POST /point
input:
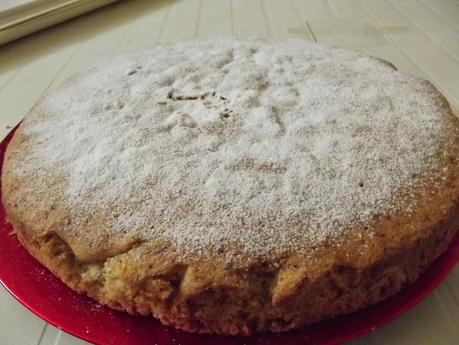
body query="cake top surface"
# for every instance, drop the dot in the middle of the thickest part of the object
(259, 145)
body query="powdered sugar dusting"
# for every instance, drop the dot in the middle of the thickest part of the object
(261, 145)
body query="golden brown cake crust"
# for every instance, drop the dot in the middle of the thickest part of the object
(209, 293)
(206, 297)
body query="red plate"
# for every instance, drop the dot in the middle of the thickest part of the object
(45, 295)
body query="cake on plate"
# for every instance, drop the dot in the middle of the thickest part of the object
(235, 186)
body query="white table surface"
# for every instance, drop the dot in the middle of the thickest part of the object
(420, 37)
(7, 4)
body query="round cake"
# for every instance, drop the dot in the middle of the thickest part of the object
(235, 186)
